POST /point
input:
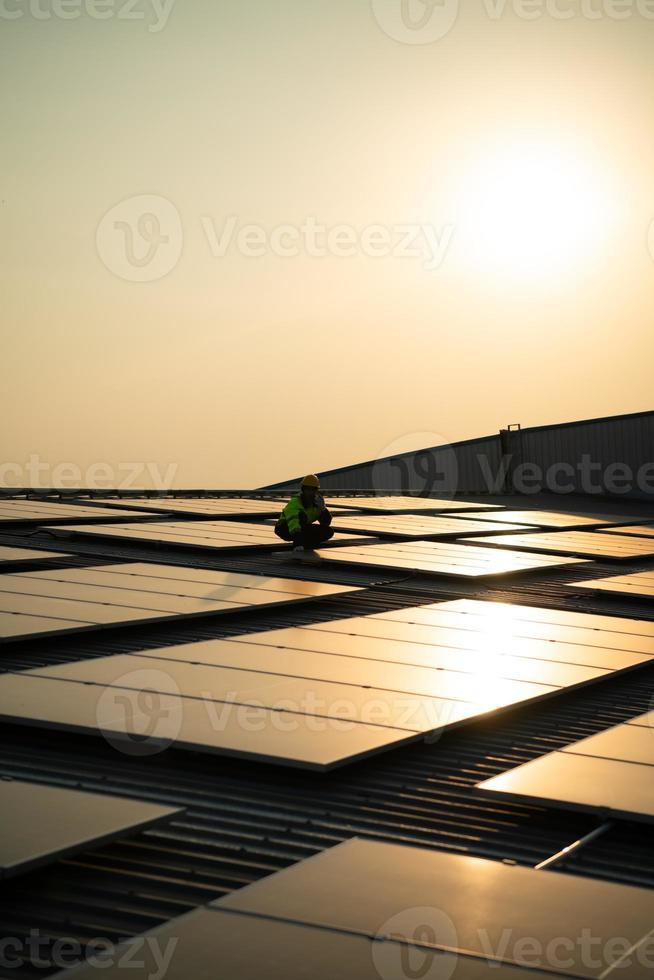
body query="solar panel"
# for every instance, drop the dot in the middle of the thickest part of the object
(588, 544)
(215, 535)
(640, 530)
(503, 613)
(486, 662)
(37, 511)
(147, 721)
(298, 695)
(600, 653)
(10, 556)
(626, 743)
(415, 525)
(34, 603)
(639, 585)
(209, 936)
(487, 654)
(41, 824)
(416, 505)
(479, 908)
(293, 951)
(607, 787)
(399, 665)
(443, 558)
(200, 506)
(553, 519)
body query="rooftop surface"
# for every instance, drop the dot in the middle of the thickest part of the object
(244, 819)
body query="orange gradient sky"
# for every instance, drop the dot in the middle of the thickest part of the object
(245, 240)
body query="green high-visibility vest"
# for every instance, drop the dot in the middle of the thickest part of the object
(292, 511)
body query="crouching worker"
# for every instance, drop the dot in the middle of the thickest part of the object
(298, 519)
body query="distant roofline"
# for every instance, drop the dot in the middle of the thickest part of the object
(461, 442)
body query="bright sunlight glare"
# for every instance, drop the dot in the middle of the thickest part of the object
(534, 211)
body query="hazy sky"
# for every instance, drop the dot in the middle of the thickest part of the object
(448, 211)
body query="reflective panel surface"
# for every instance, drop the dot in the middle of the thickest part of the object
(195, 534)
(416, 505)
(293, 951)
(62, 599)
(36, 511)
(640, 530)
(43, 823)
(610, 771)
(637, 584)
(615, 788)
(415, 525)
(152, 721)
(202, 506)
(590, 544)
(554, 518)
(10, 555)
(365, 704)
(629, 743)
(444, 558)
(364, 886)
(393, 666)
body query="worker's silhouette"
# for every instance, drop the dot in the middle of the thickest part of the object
(305, 520)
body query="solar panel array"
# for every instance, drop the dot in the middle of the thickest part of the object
(486, 915)
(638, 585)
(58, 601)
(553, 519)
(415, 525)
(588, 544)
(10, 556)
(200, 506)
(214, 535)
(42, 824)
(368, 910)
(505, 625)
(415, 505)
(611, 773)
(640, 530)
(153, 720)
(473, 635)
(443, 558)
(323, 695)
(37, 511)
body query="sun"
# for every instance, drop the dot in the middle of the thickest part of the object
(533, 210)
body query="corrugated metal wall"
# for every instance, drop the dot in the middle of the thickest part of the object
(438, 470)
(612, 456)
(607, 454)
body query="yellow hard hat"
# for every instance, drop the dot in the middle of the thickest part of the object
(311, 481)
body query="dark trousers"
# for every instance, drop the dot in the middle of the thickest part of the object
(310, 536)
